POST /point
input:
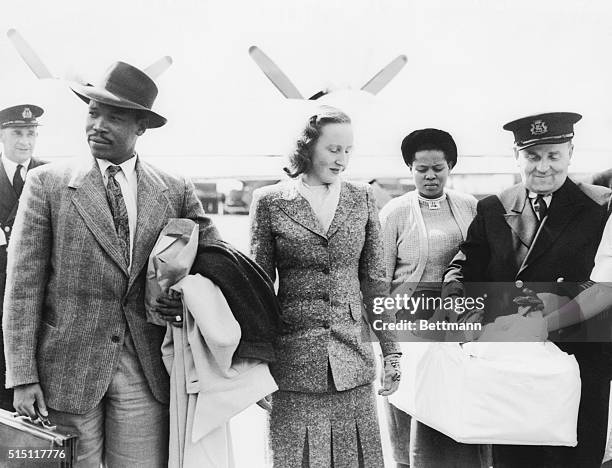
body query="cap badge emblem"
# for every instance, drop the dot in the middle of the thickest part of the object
(538, 127)
(27, 113)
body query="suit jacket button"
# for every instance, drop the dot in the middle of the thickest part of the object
(326, 326)
(325, 271)
(115, 339)
(7, 229)
(325, 297)
(124, 303)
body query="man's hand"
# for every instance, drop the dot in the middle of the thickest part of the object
(26, 396)
(170, 307)
(440, 315)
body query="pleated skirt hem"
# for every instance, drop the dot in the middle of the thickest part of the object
(321, 430)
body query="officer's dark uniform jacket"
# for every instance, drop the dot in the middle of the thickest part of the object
(8, 208)
(502, 246)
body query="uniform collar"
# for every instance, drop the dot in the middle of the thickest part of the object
(11, 166)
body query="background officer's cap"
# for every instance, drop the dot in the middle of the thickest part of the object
(23, 115)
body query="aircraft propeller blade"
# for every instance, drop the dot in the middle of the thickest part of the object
(382, 78)
(318, 95)
(28, 55)
(41, 71)
(158, 67)
(274, 74)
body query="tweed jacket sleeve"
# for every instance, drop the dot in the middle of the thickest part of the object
(372, 274)
(260, 233)
(30, 255)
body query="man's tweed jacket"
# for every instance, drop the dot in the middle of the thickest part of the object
(69, 295)
(321, 278)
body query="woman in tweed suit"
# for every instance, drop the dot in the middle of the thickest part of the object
(322, 236)
(422, 231)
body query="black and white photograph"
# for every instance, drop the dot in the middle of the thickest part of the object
(315, 234)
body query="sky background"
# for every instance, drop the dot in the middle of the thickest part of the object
(472, 66)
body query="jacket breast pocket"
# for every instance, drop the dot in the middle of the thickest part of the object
(356, 310)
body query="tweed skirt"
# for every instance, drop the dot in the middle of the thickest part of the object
(321, 430)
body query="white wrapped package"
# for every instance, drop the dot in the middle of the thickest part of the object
(492, 393)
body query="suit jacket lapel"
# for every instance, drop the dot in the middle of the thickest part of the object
(89, 198)
(346, 205)
(519, 214)
(566, 203)
(35, 163)
(8, 197)
(298, 209)
(152, 205)
(522, 221)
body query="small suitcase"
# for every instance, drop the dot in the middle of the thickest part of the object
(26, 443)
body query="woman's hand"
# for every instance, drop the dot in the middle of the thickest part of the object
(392, 374)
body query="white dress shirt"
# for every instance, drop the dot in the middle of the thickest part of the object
(532, 199)
(11, 166)
(128, 182)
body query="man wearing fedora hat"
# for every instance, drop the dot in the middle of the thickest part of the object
(77, 340)
(18, 133)
(544, 232)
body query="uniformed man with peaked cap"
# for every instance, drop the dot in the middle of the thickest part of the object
(543, 230)
(18, 133)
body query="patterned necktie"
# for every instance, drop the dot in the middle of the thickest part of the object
(541, 207)
(18, 181)
(118, 210)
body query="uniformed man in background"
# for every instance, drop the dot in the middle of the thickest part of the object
(18, 133)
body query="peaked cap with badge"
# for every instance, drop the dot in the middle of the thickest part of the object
(552, 127)
(22, 115)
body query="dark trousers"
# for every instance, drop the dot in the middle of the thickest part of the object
(6, 395)
(592, 422)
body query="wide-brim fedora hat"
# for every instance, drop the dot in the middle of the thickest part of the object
(124, 86)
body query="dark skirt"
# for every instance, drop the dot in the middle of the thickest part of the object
(321, 430)
(420, 446)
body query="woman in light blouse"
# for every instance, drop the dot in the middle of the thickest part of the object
(422, 231)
